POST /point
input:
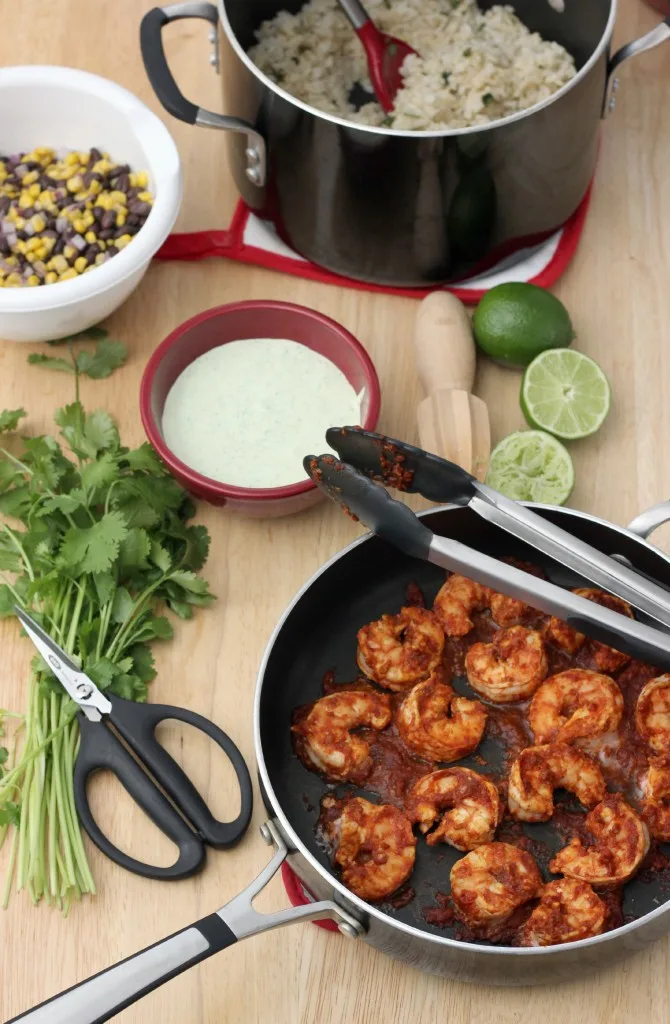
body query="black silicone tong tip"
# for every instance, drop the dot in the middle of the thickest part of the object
(401, 465)
(364, 500)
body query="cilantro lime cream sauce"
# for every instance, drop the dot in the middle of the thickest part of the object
(246, 413)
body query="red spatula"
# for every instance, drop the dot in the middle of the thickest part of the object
(385, 53)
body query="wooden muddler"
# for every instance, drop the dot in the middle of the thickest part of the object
(453, 423)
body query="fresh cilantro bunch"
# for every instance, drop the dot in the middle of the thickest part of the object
(102, 545)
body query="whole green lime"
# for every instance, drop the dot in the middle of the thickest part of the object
(514, 322)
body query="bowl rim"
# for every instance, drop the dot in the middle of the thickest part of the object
(165, 169)
(198, 481)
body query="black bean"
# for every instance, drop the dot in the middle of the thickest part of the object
(4, 246)
(50, 233)
(96, 176)
(119, 170)
(133, 192)
(46, 181)
(23, 235)
(106, 234)
(90, 253)
(5, 203)
(123, 184)
(98, 212)
(94, 155)
(112, 250)
(58, 247)
(131, 229)
(28, 212)
(109, 219)
(132, 219)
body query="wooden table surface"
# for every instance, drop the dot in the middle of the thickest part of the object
(617, 292)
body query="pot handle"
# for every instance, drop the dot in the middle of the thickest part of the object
(650, 519)
(648, 42)
(106, 994)
(171, 96)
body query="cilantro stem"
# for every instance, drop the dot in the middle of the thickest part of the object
(19, 547)
(10, 870)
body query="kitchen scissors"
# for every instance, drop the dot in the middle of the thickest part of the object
(119, 735)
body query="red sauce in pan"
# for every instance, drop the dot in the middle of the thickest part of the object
(395, 769)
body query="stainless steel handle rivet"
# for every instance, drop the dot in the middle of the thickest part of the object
(253, 156)
(266, 834)
(253, 175)
(212, 35)
(348, 930)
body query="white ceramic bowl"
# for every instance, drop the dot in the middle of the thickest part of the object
(67, 108)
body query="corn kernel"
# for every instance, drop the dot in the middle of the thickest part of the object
(58, 263)
(32, 244)
(84, 158)
(120, 219)
(68, 274)
(95, 187)
(39, 222)
(51, 277)
(29, 178)
(122, 242)
(80, 264)
(33, 280)
(79, 224)
(34, 190)
(69, 251)
(12, 260)
(25, 200)
(21, 246)
(75, 183)
(71, 158)
(13, 279)
(90, 237)
(100, 258)
(146, 197)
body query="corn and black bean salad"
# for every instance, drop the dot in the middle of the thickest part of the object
(63, 214)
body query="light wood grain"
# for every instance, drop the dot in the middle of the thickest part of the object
(617, 292)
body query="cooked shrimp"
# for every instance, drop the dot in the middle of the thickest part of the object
(398, 651)
(509, 668)
(621, 843)
(506, 611)
(455, 603)
(652, 716)
(488, 884)
(568, 910)
(324, 735)
(437, 724)
(471, 803)
(656, 805)
(374, 846)
(575, 707)
(460, 597)
(538, 771)
(570, 641)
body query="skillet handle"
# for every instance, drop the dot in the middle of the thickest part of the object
(658, 35)
(650, 519)
(105, 994)
(171, 96)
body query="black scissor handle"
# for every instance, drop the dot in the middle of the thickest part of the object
(137, 724)
(100, 749)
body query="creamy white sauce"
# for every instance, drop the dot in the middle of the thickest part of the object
(246, 413)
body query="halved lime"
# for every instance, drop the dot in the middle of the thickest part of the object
(531, 465)
(565, 393)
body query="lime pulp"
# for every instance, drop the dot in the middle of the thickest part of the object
(531, 465)
(565, 393)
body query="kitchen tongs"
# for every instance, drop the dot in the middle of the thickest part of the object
(411, 469)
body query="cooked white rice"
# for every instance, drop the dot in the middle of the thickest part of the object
(475, 67)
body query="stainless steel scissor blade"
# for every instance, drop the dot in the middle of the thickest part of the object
(78, 685)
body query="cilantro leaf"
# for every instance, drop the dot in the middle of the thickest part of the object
(4, 753)
(122, 606)
(7, 602)
(10, 813)
(134, 551)
(96, 548)
(160, 557)
(71, 420)
(143, 662)
(190, 582)
(100, 432)
(106, 357)
(50, 362)
(102, 672)
(105, 585)
(9, 419)
(66, 503)
(99, 473)
(144, 459)
(130, 687)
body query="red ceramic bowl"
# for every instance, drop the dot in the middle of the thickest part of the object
(239, 320)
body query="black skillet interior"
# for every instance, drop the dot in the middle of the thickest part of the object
(319, 636)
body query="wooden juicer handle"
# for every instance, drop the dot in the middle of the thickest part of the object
(452, 422)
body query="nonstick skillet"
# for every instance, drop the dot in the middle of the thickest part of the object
(316, 635)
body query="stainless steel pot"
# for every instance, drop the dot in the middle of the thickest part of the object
(290, 674)
(404, 208)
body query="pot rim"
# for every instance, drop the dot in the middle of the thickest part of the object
(349, 897)
(429, 133)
